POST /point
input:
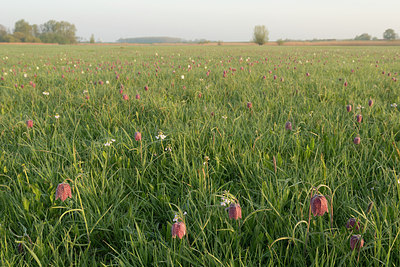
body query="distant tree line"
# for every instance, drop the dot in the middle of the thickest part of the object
(389, 34)
(52, 31)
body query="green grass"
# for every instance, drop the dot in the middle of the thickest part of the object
(125, 196)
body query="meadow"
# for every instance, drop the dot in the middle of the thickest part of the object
(263, 127)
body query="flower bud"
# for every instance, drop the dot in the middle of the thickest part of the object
(288, 126)
(352, 224)
(138, 136)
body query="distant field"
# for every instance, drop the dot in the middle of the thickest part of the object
(268, 128)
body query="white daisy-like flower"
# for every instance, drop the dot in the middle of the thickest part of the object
(57, 116)
(46, 93)
(107, 144)
(37, 68)
(182, 77)
(25, 75)
(394, 105)
(107, 82)
(5, 73)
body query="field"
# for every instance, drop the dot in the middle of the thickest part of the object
(264, 127)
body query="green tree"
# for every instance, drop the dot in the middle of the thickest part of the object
(3, 33)
(61, 32)
(92, 41)
(363, 37)
(260, 34)
(389, 34)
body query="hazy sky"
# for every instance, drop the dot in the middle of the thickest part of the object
(226, 20)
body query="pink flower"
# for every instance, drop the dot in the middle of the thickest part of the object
(319, 205)
(138, 136)
(63, 191)
(146, 88)
(370, 102)
(249, 105)
(29, 123)
(125, 97)
(348, 107)
(235, 211)
(137, 96)
(178, 229)
(356, 241)
(359, 118)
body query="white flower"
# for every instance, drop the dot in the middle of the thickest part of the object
(107, 82)
(112, 140)
(183, 77)
(25, 75)
(176, 218)
(160, 136)
(5, 73)
(224, 117)
(223, 204)
(85, 91)
(394, 105)
(57, 116)
(184, 213)
(107, 144)
(46, 93)
(37, 68)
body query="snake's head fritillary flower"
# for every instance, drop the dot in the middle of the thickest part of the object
(359, 118)
(319, 205)
(352, 223)
(178, 229)
(356, 241)
(125, 97)
(348, 108)
(249, 105)
(138, 136)
(63, 191)
(146, 88)
(357, 140)
(235, 211)
(29, 123)
(370, 102)
(288, 126)
(137, 96)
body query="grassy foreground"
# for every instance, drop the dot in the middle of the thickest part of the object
(126, 192)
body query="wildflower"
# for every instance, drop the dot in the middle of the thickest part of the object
(138, 136)
(370, 102)
(57, 116)
(357, 140)
(46, 93)
(125, 97)
(352, 223)
(224, 117)
(182, 77)
(178, 229)
(394, 105)
(168, 148)
(356, 241)
(137, 96)
(107, 144)
(63, 191)
(85, 91)
(29, 123)
(107, 82)
(160, 136)
(225, 201)
(348, 108)
(249, 105)
(288, 126)
(25, 75)
(359, 118)
(235, 211)
(319, 205)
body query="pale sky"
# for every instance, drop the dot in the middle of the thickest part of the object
(226, 20)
